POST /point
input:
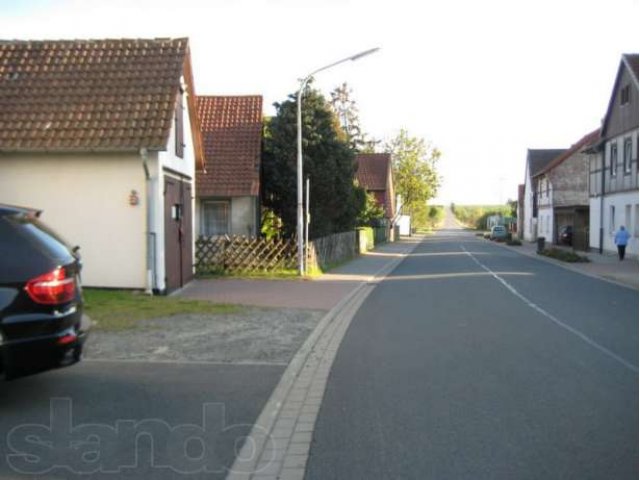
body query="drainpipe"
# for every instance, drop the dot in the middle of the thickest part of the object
(149, 220)
(600, 250)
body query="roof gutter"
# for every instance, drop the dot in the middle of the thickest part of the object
(80, 150)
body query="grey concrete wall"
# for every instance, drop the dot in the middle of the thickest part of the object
(332, 249)
(570, 181)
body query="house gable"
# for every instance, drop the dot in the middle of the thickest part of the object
(374, 174)
(568, 173)
(619, 139)
(537, 159)
(622, 112)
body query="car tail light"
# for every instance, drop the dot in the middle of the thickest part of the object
(67, 338)
(52, 288)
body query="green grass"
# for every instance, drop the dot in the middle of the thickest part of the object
(117, 310)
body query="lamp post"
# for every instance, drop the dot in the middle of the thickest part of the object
(303, 84)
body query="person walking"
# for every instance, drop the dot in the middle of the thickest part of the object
(621, 239)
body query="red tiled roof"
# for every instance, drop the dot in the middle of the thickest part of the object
(86, 95)
(232, 138)
(584, 142)
(374, 171)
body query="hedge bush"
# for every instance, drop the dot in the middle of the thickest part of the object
(564, 255)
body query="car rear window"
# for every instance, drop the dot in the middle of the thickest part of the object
(27, 246)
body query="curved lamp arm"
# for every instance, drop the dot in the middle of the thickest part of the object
(303, 84)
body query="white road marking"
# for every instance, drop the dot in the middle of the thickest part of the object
(546, 314)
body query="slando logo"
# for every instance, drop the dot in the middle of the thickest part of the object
(93, 447)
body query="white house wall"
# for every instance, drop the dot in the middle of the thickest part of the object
(594, 223)
(545, 209)
(86, 199)
(545, 223)
(529, 225)
(620, 202)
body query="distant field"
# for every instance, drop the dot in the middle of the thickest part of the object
(475, 216)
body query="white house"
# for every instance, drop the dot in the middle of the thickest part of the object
(102, 136)
(563, 193)
(613, 174)
(537, 159)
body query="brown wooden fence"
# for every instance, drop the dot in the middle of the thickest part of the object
(239, 254)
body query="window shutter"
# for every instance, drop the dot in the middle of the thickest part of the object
(179, 125)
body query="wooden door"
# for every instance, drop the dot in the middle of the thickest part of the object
(178, 249)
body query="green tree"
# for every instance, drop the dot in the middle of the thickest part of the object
(371, 212)
(328, 161)
(415, 174)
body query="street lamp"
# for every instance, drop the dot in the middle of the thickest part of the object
(303, 84)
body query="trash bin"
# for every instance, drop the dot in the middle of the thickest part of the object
(541, 241)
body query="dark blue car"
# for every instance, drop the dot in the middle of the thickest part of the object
(42, 325)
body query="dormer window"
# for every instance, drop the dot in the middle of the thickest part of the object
(625, 94)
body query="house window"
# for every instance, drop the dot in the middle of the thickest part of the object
(613, 159)
(215, 218)
(625, 94)
(636, 227)
(627, 217)
(179, 124)
(627, 155)
(612, 218)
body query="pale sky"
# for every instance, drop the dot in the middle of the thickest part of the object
(481, 80)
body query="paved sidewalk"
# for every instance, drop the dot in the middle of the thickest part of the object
(605, 266)
(322, 293)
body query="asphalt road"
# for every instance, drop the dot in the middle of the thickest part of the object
(471, 361)
(130, 420)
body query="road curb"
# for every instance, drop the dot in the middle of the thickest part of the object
(279, 443)
(568, 267)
